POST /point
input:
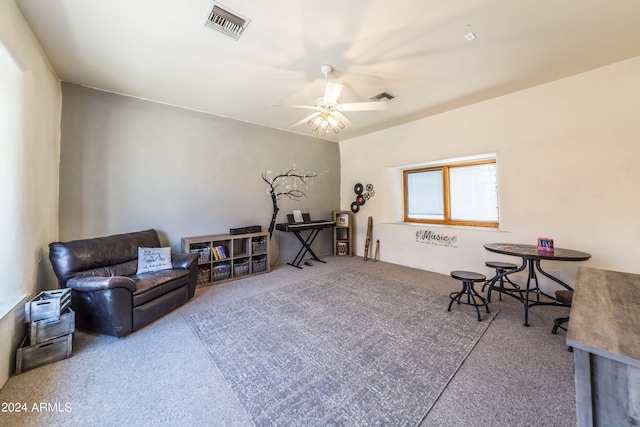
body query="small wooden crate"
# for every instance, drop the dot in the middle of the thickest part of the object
(53, 327)
(32, 356)
(47, 304)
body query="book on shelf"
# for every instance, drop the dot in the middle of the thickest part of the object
(218, 253)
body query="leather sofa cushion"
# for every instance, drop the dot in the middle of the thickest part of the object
(123, 269)
(152, 285)
(69, 258)
(157, 307)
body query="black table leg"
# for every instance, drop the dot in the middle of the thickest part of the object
(505, 275)
(532, 275)
(534, 265)
(555, 279)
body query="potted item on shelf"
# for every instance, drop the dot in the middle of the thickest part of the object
(342, 248)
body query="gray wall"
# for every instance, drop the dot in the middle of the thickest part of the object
(127, 164)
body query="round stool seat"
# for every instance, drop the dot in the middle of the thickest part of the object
(472, 297)
(565, 297)
(468, 276)
(500, 264)
(501, 268)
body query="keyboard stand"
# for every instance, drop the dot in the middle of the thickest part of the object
(314, 227)
(306, 247)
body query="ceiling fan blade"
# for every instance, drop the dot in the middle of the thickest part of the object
(309, 107)
(305, 120)
(363, 106)
(332, 92)
(342, 118)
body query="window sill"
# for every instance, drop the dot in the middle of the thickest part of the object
(455, 227)
(7, 305)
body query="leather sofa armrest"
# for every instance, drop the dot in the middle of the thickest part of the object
(98, 283)
(184, 260)
(188, 261)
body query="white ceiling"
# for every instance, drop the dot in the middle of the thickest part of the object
(414, 49)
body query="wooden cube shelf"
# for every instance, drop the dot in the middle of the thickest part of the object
(225, 257)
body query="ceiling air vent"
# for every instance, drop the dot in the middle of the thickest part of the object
(228, 22)
(383, 95)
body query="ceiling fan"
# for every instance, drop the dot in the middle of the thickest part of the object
(328, 116)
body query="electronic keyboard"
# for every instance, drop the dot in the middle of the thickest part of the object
(301, 226)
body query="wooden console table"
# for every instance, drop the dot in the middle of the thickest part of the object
(604, 331)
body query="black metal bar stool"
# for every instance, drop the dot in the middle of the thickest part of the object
(501, 267)
(564, 298)
(468, 279)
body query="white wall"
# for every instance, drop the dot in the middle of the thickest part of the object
(566, 152)
(29, 155)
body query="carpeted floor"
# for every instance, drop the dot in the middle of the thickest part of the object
(344, 348)
(163, 376)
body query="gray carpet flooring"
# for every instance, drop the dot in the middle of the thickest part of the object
(162, 375)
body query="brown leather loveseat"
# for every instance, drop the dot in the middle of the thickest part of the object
(108, 295)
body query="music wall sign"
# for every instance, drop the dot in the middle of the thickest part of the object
(430, 237)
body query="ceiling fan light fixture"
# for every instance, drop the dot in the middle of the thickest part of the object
(328, 116)
(325, 123)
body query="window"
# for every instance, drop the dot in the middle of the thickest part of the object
(453, 194)
(11, 182)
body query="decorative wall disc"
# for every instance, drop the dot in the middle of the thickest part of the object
(361, 196)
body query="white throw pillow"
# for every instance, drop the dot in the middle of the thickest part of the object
(154, 259)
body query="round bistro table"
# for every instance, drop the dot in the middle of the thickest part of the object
(531, 258)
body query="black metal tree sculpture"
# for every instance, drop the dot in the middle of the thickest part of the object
(281, 185)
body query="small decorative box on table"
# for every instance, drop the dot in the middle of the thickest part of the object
(545, 244)
(52, 323)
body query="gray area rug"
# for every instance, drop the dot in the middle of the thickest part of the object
(345, 348)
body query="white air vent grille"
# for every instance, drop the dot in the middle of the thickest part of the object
(383, 95)
(226, 21)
